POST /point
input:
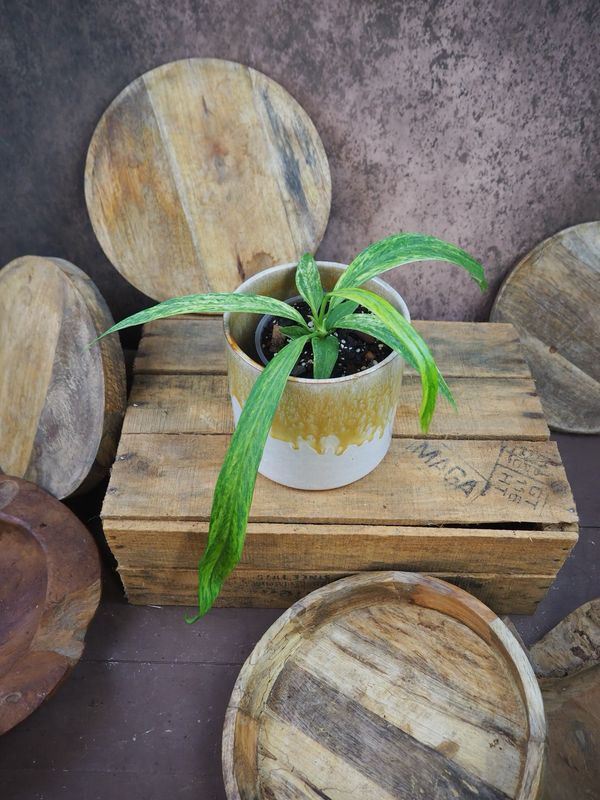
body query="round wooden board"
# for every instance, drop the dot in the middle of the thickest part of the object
(201, 173)
(49, 592)
(61, 402)
(385, 685)
(552, 297)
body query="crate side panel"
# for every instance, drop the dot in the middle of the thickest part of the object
(267, 589)
(170, 544)
(420, 482)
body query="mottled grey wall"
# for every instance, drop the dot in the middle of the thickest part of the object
(476, 120)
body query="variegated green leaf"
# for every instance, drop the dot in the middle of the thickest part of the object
(404, 332)
(308, 282)
(213, 303)
(404, 248)
(235, 485)
(341, 310)
(325, 352)
(293, 331)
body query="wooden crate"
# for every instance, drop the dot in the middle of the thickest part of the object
(482, 501)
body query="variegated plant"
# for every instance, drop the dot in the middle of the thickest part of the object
(328, 311)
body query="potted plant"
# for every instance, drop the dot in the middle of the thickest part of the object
(345, 336)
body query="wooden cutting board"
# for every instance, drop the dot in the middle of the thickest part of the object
(61, 402)
(388, 685)
(49, 592)
(201, 173)
(552, 297)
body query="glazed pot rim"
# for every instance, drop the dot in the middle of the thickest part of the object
(311, 381)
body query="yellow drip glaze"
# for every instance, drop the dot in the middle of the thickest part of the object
(334, 415)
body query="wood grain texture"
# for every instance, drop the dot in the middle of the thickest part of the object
(552, 297)
(201, 173)
(488, 408)
(268, 588)
(571, 646)
(49, 592)
(362, 687)
(189, 345)
(420, 482)
(567, 661)
(350, 548)
(572, 706)
(61, 402)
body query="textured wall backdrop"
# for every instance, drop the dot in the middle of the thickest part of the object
(475, 120)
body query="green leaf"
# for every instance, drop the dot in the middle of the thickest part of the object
(369, 323)
(235, 485)
(308, 282)
(339, 311)
(325, 352)
(404, 248)
(210, 304)
(407, 340)
(293, 331)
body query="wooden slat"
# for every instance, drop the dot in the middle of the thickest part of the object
(462, 349)
(515, 594)
(488, 408)
(171, 544)
(420, 482)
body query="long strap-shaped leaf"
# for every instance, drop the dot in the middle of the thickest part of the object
(404, 248)
(235, 484)
(368, 323)
(408, 330)
(214, 303)
(308, 283)
(404, 333)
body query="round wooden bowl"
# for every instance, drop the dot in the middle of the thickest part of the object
(385, 685)
(49, 592)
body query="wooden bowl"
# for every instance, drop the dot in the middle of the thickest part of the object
(385, 685)
(49, 591)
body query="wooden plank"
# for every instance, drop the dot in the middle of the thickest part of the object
(248, 588)
(552, 297)
(173, 163)
(183, 345)
(172, 544)
(462, 349)
(420, 482)
(488, 408)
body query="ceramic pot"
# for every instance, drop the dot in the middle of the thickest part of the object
(326, 433)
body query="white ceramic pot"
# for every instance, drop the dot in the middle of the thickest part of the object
(326, 433)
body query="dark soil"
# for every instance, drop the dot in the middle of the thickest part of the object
(357, 352)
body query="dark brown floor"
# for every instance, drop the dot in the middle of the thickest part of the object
(140, 717)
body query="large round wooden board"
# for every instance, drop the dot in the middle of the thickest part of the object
(49, 592)
(201, 173)
(61, 402)
(552, 297)
(380, 686)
